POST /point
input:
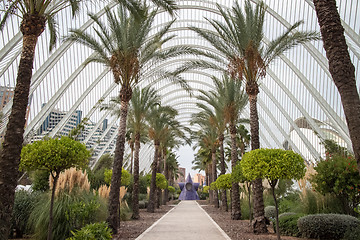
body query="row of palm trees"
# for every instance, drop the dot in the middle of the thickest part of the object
(123, 45)
(149, 121)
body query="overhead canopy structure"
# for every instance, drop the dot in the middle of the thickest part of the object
(298, 88)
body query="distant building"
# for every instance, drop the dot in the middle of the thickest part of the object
(182, 172)
(6, 94)
(199, 178)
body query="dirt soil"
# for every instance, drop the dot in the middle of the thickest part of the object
(238, 229)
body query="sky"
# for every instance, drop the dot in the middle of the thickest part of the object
(186, 155)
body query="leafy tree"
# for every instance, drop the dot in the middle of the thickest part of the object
(239, 38)
(161, 181)
(341, 68)
(273, 164)
(54, 155)
(125, 179)
(337, 174)
(224, 181)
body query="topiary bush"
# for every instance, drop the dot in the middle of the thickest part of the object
(270, 212)
(326, 226)
(288, 224)
(98, 231)
(352, 233)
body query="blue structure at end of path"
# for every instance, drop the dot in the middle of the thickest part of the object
(188, 189)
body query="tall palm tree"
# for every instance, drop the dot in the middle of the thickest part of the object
(34, 15)
(201, 161)
(160, 119)
(341, 68)
(207, 138)
(125, 46)
(215, 114)
(240, 39)
(141, 101)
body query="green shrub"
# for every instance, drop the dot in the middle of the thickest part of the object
(23, 205)
(288, 224)
(143, 204)
(270, 212)
(98, 231)
(40, 180)
(326, 226)
(125, 213)
(71, 212)
(352, 233)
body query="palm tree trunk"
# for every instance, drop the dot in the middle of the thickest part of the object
(31, 28)
(166, 173)
(114, 203)
(259, 225)
(135, 214)
(211, 196)
(214, 174)
(224, 205)
(151, 205)
(341, 68)
(158, 190)
(235, 194)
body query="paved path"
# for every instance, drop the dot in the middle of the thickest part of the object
(186, 221)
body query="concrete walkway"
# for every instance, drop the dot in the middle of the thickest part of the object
(186, 221)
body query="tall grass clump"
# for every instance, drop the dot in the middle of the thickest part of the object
(74, 207)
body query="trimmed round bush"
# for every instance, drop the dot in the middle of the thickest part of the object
(288, 224)
(270, 212)
(326, 226)
(352, 233)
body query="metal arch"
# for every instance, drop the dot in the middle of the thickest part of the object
(263, 106)
(65, 119)
(296, 102)
(308, 145)
(348, 30)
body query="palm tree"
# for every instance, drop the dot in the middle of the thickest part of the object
(341, 68)
(34, 16)
(125, 46)
(141, 101)
(207, 138)
(215, 114)
(160, 119)
(240, 39)
(201, 161)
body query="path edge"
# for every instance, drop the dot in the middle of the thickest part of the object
(217, 226)
(154, 224)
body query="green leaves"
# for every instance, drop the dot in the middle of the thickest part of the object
(161, 181)
(272, 164)
(223, 181)
(54, 155)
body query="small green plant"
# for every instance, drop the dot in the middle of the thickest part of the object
(95, 231)
(270, 212)
(40, 180)
(352, 233)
